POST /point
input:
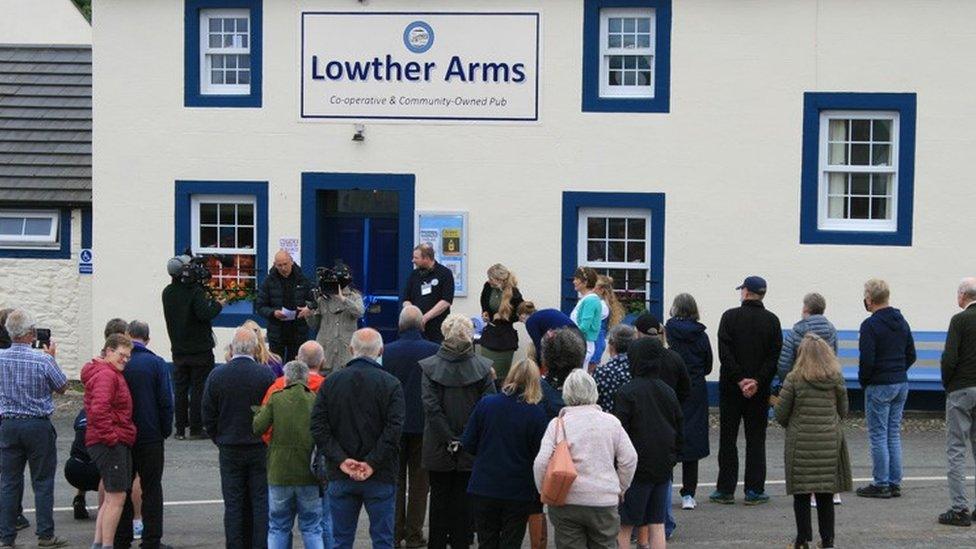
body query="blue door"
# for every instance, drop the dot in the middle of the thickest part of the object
(361, 229)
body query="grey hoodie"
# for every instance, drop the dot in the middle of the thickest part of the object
(817, 324)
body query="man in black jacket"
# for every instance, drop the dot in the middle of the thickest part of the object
(749, 343)
(430, 288)
(282, 299)
(232, 390)
(189, 311)
(357, 422)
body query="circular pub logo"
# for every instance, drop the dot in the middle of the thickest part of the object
(418, 37)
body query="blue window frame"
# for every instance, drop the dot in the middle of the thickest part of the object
(61, 249)
(858, 168)
(242, 59)
(576, 204)
(186, 192)
(614, 78)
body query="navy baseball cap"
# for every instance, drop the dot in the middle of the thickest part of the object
(755, 284)
(646, 323)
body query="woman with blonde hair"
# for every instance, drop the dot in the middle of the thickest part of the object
(611, 315)
(504, 433)
(452, 383)
(811, 405)
(500, 299)
(264, 355)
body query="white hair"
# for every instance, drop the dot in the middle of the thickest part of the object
(411, 319)
(296, 371)
(579, 389)
(19, 323)
(245, 342)
(967, 287)
(366, 342)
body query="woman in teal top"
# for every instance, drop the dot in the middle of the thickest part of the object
(588, 313)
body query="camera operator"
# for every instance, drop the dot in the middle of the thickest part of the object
(336, 316)
(283, 299)
(189, 309)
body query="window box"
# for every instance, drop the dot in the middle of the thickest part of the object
(222, 49)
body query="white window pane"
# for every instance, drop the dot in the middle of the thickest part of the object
(882, 130)
(837, 184)
(12, 226)
(836, 207)
(644, 25)
(615, 24)
(838, 130)
(38, 226)
(837, 154)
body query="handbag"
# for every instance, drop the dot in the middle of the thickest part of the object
(561, 471)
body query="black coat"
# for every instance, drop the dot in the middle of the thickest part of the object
(749, 341)
(276, 292)
(358, 414)
(499, 334)
(959, 357)
(650, 413)
(453, 383)
(402, 359)
(189, 311)
(230, 392)
(688, 339)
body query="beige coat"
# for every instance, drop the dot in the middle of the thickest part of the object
(336, 319)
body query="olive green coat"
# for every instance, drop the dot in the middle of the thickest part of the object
(288, 412)
(815, 451)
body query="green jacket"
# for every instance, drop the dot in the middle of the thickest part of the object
(188, 311)
(815, 451)
(289, 413)
(959, 356)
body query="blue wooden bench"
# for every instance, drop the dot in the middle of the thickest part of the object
(925, 375)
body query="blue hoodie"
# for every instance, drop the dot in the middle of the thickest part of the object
(886, 348)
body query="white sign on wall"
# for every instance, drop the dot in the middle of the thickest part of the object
(420, 66)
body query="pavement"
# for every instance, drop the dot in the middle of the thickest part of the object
(193, 513)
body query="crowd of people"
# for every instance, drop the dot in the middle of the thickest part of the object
(443, 425)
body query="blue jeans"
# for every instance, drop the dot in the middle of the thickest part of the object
(27, 442)
(347, 497)
(244, 485)
(884, 406)
(328, 537)
(287, 502)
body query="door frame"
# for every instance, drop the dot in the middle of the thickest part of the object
(314, 182)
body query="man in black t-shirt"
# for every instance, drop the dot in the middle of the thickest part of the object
(431, 289)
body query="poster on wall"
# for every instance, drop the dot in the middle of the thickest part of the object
(410, 66)
(447, 233)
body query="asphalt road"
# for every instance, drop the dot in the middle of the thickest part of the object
(194, 513)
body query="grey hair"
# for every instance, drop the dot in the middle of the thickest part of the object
(967, 287)
(312, 354)
(457, 327)
(579, 389)
(366, 342)
(245, 342)
(411, 319)
(620, 337)
(296, 371)
(685, 306)
(814, 303)
(138, 329)
(19, 323)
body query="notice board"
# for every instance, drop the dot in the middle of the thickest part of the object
(447, 233)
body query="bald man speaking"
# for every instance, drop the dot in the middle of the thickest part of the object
(283, 299)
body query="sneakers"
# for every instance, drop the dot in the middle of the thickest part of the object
(80, 508)
(956, 518)
(53, 541)
(721, 497)
(137, 529)
(837, 500)
(874, 491)
(688, 502)
(21, 523)
(895, 490)
(756, 498)
(813, 500)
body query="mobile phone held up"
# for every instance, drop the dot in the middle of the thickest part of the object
(42, 338)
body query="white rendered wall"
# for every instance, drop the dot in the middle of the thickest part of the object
(42, 22)
(57, 296)
(727, 156)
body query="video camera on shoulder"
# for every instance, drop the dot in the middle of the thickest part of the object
(333, 279)
(189, 269)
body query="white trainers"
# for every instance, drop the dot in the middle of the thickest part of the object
(688, 502)
(813, 501)
(837, 500)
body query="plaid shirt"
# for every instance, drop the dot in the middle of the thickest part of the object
(27, 378)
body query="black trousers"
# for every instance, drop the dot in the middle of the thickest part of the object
(189, 376)
(501, 522)
(450, 510)
(289, 337)
(825, 517)
(147, 462)
(689, 478)
(244, 485)
(753, 412)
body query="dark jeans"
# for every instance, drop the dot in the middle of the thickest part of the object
(689, 478)
(450, 510)
(411, 504)
(27, 442)
(288, 339)
(147, 462)
(825, 517)
(753, 412)
(244, 485)
(189, 375)
(348, 497)
(501, 522)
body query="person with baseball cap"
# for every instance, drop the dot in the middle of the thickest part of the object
(749, 344)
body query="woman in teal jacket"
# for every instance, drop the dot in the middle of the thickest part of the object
(588, 313)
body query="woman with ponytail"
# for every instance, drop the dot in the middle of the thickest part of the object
(500, 299)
